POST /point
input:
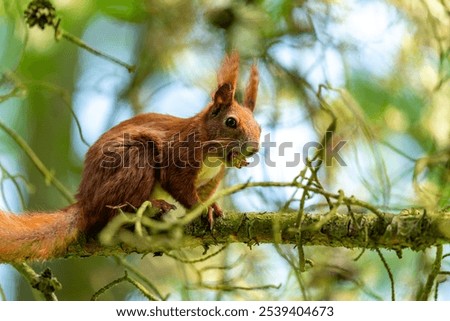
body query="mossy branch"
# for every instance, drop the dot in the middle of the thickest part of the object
(45, 283)
(413, 229)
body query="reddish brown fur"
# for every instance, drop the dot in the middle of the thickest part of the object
(122, 167)
(37, 236)
(251, 91)
(229, 72)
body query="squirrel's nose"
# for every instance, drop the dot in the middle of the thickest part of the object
(250, 148)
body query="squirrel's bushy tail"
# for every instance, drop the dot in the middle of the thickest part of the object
(37, 236)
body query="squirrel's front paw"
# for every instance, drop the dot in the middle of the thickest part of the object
(213, 211)
(163, 206)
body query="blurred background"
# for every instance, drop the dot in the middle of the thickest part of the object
(384, 70)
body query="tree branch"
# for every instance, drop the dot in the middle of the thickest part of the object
(414, 229)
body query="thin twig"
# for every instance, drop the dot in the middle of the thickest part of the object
(62, 33)
(389, 272)
(48, 175)
(109, 286)
(6, 175)
(141, 288)
(435, 271)
(136, 272)
(228, 288)
(66, 98)
(297, 271)
(201, 259)
(128, 279)
(2, 294)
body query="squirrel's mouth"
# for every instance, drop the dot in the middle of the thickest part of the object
(237, 157)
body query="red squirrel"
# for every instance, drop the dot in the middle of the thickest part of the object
(141, 159)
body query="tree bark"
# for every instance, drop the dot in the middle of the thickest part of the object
(414, 229)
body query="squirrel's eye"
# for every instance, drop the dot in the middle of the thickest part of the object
(231, 122)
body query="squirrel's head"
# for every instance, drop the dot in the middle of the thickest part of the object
(231, 128)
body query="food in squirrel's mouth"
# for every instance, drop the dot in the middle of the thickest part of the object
(236, 159)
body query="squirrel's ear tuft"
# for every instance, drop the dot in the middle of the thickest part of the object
(227, 79)
(251, 91)
(224, 95)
